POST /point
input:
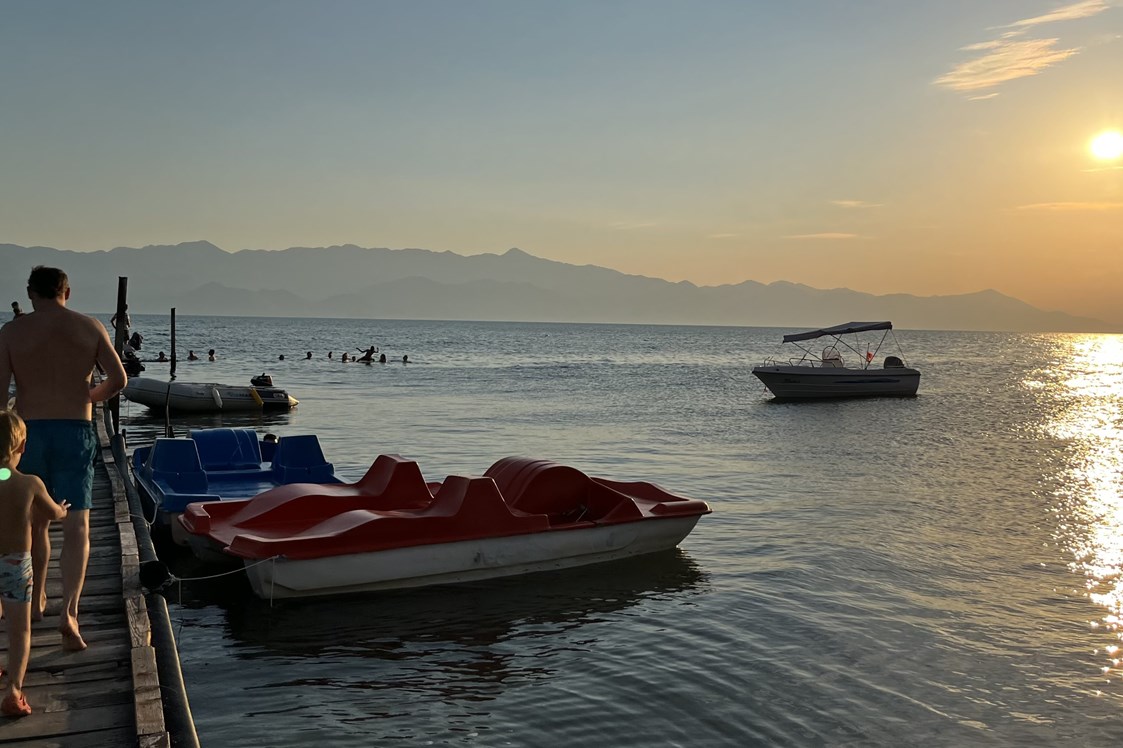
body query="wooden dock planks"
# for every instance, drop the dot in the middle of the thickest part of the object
(109, 694)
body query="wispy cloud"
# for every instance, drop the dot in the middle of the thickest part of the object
(1005, 60)
(622, 226)
(722, 236)
(1071, 206)
(827, 235)
(1076, 10)
(982, 97)
(1011, 56)
(855, 204)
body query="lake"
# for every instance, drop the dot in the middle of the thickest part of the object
(941, 570)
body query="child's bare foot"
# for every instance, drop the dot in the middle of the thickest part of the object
(72, 641)
(14, 705)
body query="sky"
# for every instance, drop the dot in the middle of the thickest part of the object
(889, 147)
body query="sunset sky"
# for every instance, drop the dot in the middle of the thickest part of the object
(885, 146)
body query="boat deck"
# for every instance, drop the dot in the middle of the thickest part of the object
(109, 694)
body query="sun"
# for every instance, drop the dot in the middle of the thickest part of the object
(1107, 146)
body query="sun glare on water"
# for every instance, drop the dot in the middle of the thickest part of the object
(1107, 146)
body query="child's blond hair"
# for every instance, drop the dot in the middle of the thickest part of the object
(13, 431)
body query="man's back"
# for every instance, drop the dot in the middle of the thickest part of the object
(51, 353)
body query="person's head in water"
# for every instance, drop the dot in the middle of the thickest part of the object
(382, 358)
(163, 357)
(210, 354)
(405, 359)
(309, 355)
(281, 357)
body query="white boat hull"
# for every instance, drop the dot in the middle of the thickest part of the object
(820, 382)
(461, 561)
(205, 397)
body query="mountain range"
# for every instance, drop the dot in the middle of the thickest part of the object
(350, 281)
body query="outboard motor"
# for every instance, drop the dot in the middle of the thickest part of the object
(893, 362)
(262, 381)
(132, 364)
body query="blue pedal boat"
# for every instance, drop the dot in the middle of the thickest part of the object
(221, 463)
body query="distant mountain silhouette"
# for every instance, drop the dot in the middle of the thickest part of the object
(350, 281)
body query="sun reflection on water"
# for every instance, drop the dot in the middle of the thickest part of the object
(1087, 415)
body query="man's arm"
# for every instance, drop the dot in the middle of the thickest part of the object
(110, 363)
(43, 504)
(5, 369)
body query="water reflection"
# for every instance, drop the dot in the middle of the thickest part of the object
(1086, 385)
(142, 425)
(464, 642)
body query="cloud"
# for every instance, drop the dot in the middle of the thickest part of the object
(1005, 60)
(621, 226)
(1081, 9)
(1012, 56)
(854, 204)
(722, 236)
(1071, 207)
(982, 97)
(825, 235)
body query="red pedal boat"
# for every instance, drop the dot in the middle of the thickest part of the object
(391, 529)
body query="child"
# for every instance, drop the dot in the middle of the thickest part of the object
(20, 495)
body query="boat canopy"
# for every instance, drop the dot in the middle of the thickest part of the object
(844, 329)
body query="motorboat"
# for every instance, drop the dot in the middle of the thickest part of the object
(218, 464)
(196, 397)
(827, 375)
(391, 529)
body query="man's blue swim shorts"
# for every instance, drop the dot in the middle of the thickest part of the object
(61, 452)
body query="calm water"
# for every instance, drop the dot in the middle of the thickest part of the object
(943, 570)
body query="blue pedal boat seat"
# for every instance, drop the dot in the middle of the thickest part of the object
(299, 459)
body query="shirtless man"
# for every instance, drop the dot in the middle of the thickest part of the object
(53, 395)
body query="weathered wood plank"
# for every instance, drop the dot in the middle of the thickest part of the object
(69, 727)
(146, 686)
(162, 740)
(140, 632)
(90, 618)
(108, 675)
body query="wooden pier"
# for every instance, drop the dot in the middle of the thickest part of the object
(109, 695)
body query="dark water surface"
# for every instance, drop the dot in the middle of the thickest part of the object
(943, 570)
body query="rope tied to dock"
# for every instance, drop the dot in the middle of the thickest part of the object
(225, 573)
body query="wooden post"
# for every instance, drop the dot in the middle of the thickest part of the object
(122, 331)
(172, 372)
(171, 378)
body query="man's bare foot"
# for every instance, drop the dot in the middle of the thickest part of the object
(72, 641)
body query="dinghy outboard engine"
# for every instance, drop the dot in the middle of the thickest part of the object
(893, 362)
(131, 362)
(262, 381)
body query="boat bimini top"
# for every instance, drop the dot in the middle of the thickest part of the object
(844, 329)
(831, 356)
